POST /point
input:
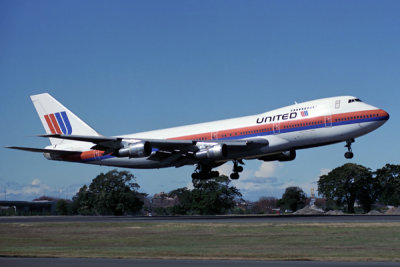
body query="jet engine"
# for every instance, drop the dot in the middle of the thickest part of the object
(136, 150)
(214, 152)
(283, 156)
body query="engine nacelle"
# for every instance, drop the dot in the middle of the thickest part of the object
(137, 150)
(52, 156)
(214, 152)
(283, 156)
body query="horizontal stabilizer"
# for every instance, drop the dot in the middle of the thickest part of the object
(84, 138)
(43, 150)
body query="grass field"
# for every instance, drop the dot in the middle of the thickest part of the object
(258, 241)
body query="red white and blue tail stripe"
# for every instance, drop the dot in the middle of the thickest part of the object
(58, 123)
(57, 119)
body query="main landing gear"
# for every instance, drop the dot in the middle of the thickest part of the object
(204, 173)
(349, 154)
(236, 169)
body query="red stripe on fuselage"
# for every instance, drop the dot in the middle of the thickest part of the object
(326, 120)
(84, 156)
(91, 154)
(294, 124)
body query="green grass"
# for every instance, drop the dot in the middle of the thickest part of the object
(258, 241)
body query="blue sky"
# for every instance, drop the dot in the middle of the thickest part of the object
(129, 66)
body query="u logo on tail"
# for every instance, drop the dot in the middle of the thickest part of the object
(58, 123)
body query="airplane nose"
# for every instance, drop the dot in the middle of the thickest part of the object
(385, 115)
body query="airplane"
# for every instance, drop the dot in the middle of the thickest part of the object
(271, 136)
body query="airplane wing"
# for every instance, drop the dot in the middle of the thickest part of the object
(165, 148)
(104, 143)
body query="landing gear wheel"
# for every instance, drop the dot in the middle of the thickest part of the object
(348, 155)
(238, 169)
(204, 175)
(235, 176)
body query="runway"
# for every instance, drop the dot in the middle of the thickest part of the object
(88, 262)
(64, 262)
(207, 219)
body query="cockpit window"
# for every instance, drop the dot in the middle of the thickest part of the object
(354, 100)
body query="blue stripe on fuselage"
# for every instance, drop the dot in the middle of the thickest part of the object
(266, 133)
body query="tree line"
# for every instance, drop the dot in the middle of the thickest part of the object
(353, 183)
(116, 193)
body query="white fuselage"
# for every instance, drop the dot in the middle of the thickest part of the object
(314, 123)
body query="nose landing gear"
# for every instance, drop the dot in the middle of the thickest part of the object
(349, 154)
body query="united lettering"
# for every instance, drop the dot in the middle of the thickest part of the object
(279, 117)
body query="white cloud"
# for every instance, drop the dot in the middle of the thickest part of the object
(323, 171)
(190, 185)
(307, 184)
(35, 182)
(254, 183)
(267, 169)
(36, 188)
(264, 180)
(225, 169)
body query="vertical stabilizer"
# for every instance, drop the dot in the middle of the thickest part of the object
(57, 119)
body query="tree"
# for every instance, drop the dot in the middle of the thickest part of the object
(293, 199)
(185, 200)
(347, 184)
(82, 202)
(264, 205)
(388, 179)
(63, 207)
(112, 193)
(212, 196)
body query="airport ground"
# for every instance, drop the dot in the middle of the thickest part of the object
(101, 262)
(212, 239)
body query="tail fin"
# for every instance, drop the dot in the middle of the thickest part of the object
(57, 119)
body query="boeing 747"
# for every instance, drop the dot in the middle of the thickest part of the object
(270, 136)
